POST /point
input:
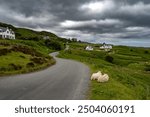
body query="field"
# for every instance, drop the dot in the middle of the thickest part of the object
(128, 68)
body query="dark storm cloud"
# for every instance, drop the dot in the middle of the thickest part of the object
(85, 19)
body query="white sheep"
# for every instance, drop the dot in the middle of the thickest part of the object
(103, 78)
(95, 76)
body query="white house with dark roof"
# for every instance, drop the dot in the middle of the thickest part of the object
(7, 33)
(106, 47)
(89, 48)
(46, 37)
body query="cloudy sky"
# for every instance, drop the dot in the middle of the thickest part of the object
(112, 21)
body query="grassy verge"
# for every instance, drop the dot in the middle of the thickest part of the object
(18, 56)
(128, 68)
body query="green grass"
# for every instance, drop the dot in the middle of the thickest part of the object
(18, 56)
(33, 47)
(129, 72)
(37, 45)
(13, 57)
(26, 32)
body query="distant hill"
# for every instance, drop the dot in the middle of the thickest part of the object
(28, 34)
(7, 25)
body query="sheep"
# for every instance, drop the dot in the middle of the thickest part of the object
(103, 78)
(96, 75)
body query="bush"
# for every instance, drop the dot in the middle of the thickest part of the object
(53, 45)
(3, 69)
(109, 59)
(31, 64)
(4, 51)
(26, 50)
(38, 60)
(68, 51)
(131, 50)
(146, 52)
(147, 68)
(4, 43)
(34, 38)
(21, 56)
(15, 67)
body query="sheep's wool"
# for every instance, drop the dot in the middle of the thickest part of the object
(100, 77)
(103, 78)
(95, 76)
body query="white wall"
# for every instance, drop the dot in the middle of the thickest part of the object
(7, 34)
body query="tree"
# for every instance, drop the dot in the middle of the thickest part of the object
(53, 44)
(109, 59)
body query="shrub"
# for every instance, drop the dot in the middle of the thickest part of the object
(4, 51)
(21, 56)
(147, 68)
(109, 59)
(15, 67)
(49, 57)
(69, 51)
(3, 69)
(38, 60)
(131, 50)
(4, 43)
(31, 64)
(34, 38)
(146, 52)
(53, 44)
(25, 50)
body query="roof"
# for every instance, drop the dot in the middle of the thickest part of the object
(106, 47)
(3, 29)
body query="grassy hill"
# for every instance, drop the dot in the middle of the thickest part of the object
(28, 34)
(29, 51)
(18, 56)
(128, 68)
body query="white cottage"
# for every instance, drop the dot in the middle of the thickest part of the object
(7, 33)
(106, 47)
(90, 48)
(46, 37)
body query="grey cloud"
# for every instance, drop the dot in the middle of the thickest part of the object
(89, 20)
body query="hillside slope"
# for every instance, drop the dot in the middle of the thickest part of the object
(28, 34)
(29, 51)
(127, 67)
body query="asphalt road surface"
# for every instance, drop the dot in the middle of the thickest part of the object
(67, 80)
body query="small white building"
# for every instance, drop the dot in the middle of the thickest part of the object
(46, 37)
(89, 48)
(7, 33)
(106, 47)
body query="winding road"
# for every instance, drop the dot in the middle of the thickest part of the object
(67, 80)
